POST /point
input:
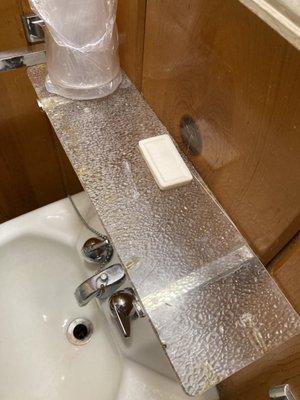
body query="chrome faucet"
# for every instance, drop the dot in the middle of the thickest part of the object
(123, 304)
(101, 285)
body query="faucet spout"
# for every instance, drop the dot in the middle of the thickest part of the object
(100, 285)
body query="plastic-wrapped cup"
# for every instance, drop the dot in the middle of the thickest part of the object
(81, 47)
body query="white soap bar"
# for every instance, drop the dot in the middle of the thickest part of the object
(164, 161)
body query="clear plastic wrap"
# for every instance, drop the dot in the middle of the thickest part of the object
(81, 47)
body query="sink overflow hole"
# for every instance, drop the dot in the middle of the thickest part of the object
(79, 331)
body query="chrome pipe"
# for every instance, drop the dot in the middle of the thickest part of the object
(27, 57)
(282, 392)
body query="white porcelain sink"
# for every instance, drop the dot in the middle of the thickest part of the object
(41, 266)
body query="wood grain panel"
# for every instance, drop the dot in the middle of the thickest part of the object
(131, 27)
(285, 269)
(29, 171)
(11, 33)
(240, 81)
(24, 7)
(282, 365)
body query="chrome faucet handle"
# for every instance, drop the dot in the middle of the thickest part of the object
(282, 392)
(97, 249)
(124, 306)
(100, 285)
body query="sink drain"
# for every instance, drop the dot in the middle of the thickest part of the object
(79, 331)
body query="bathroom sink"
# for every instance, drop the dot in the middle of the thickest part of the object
(52, 349)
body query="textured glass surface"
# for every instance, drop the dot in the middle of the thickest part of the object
(211, 302)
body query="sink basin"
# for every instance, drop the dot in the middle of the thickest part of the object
(41, 266)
